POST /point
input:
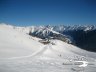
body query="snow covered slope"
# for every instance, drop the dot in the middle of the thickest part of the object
(15, 44)
(82, 36)
(20, 52)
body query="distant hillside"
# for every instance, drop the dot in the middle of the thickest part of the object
(81, 36)
(84, 39)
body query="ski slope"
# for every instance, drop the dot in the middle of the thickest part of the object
(20, 52)
(15, 44)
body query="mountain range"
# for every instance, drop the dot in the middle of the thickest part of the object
(83, 36)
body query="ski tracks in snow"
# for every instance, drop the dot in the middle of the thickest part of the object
(40, 51)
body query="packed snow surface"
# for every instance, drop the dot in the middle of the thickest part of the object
(20, 52)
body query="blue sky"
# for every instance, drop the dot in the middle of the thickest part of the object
(44, 12)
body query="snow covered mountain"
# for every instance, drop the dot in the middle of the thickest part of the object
(82, 36)
(14, 43)
(21, 52)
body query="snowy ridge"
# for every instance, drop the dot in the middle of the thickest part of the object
(56, 29)
(12, 39)
(21, 52)
(75, 27)
(60, 32)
